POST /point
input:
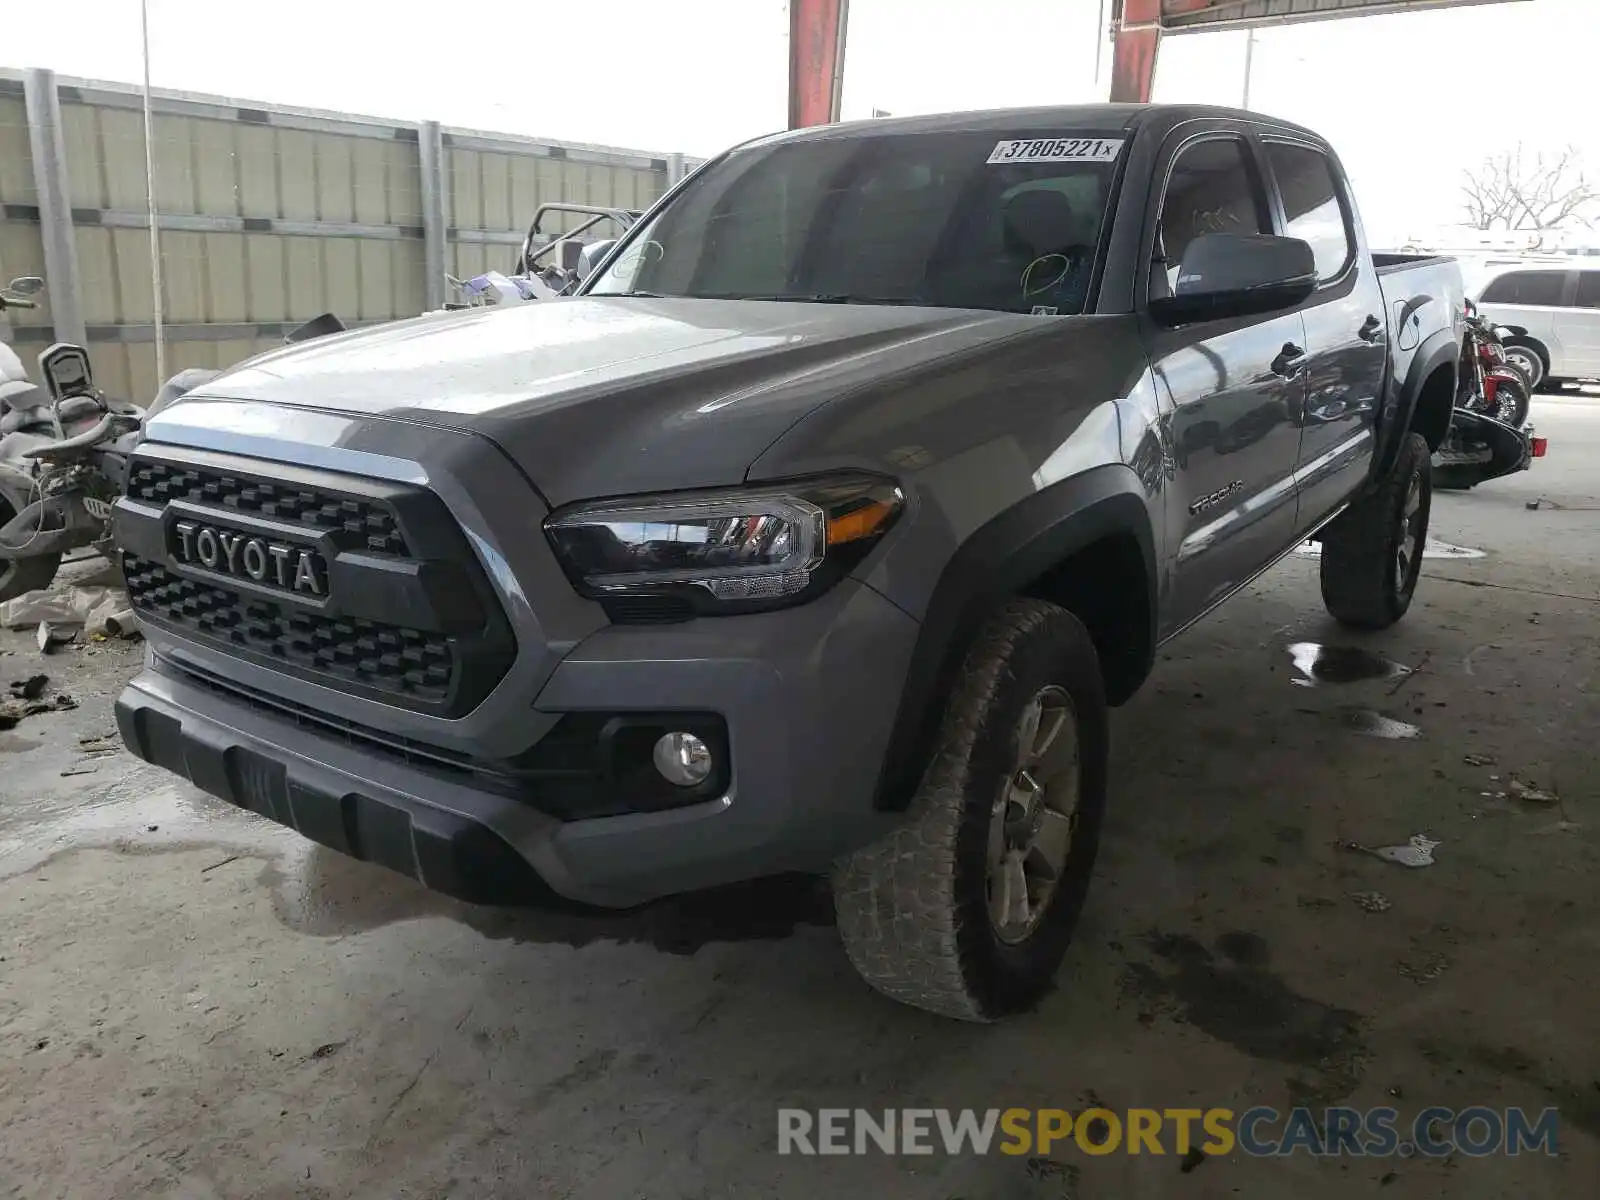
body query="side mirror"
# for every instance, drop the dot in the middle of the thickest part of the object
(26, 285)
(1235, 275)
(591, 255)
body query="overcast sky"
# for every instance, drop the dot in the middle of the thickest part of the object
(1410, 100)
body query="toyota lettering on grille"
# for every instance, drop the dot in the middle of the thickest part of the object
(260, 559)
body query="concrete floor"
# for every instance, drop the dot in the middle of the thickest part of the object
(195, 1003)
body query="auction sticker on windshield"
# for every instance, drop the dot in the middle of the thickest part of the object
(1036, 150)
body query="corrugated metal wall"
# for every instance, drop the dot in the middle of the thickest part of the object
(21, 251)
(269, 216)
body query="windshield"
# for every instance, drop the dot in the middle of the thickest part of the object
(952, 220)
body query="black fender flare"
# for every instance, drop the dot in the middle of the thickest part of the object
(1440, 350)
(996, 562)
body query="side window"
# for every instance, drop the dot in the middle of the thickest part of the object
(1542, 288)
(1212, 189)
(1311, 206)
(1589, 289)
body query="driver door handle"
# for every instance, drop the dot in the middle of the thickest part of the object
(1371, 330)
(1290, 360)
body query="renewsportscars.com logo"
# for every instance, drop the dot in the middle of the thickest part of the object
(1260, 1132)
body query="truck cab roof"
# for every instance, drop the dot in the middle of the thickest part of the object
(1088, 118)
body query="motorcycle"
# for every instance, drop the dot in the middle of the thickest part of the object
(1489, 436)
(63, 457)
(1492, 383)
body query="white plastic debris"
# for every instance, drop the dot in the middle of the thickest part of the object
(59, 606)
(50, 636)
(1418, 852)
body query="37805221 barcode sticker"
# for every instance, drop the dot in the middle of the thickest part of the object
(1038, 150)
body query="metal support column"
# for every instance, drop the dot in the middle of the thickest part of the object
(1133, 60)
(675, 169)
(430, 156)
(817, 31)
(55, 206)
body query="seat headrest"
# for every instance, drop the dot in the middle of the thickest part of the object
(1040, 221)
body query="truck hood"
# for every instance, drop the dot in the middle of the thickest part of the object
(608, 395)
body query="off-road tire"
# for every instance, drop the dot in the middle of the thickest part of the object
(913, 908)
(1360, 580)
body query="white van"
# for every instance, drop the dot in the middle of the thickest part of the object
(1555, 312)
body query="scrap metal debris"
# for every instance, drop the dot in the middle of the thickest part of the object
(30, 688)
(1418, 852)
(1372, 902)
(1427, 970)
(27, 699)
(1533, 795)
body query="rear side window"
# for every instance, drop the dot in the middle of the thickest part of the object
(1589, 289)
(1212, 189)
(1527, 287)
(1311, 206)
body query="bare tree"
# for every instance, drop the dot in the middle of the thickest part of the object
(1511, 192)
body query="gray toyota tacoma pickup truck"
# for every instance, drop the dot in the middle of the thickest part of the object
(816, 534)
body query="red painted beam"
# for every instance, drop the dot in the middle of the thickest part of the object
(816, 60)
(1133, 57)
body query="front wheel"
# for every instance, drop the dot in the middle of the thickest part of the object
(1511, 403)
(966, 909)
(1372, 554)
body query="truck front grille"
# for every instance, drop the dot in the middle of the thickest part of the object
(385, 657)
(405, 614)
(357, 522)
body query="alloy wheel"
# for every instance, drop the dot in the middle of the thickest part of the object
(1034, 817)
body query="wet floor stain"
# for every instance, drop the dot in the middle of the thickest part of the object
(325, 894)
(1578, 1102)
(1233, 996)
(1374, 724)
(1319, 664)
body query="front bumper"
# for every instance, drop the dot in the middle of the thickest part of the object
(808, 695)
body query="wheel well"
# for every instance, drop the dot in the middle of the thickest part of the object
(1106, 586)
(1435, 402)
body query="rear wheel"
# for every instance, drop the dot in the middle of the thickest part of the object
(1527, 360)
(1372, 555)
(967, 908)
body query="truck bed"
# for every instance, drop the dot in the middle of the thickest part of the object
(1388, 264)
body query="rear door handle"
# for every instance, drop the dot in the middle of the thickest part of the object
(1289, 361)
(1371, 330)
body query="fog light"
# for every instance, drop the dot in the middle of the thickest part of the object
(682, 759)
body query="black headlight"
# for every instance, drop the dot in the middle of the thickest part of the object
(682, 554)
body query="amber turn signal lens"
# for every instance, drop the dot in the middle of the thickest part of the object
(864, 522)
